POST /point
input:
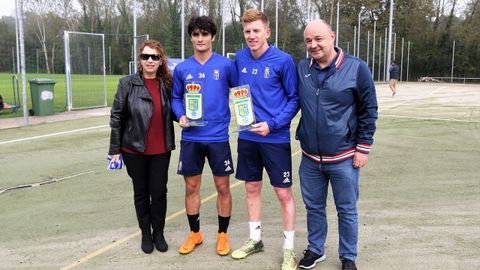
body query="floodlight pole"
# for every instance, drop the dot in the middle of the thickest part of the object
(183, 29)
(385, 48)
(337, 34)
(223, 27)
(354, 41)
(390, 26)
(134, 36)
(408, 59)
(380, 59)
(373, 53)
(453, 61)
(276, 23)
(19, 18)
(358, 36)
(66, 50)
(261, 6)
(308, 11)
(401, 62)
(394, 46)
(17, 40)
(308, 21)
(368, 47)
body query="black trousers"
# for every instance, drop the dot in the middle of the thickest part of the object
(149, 175)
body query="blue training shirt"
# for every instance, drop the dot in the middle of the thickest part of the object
(273, 86)
(214, 77)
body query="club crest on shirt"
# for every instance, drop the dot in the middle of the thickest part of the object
(266, 73)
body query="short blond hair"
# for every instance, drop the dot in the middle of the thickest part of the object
(252, 15)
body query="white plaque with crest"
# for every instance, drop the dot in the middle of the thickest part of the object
(194, 104)
(242, 105)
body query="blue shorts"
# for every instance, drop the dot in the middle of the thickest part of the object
(192, 158)
(275, 157)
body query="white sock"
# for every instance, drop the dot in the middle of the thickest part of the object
(288, 237)
(255, 230)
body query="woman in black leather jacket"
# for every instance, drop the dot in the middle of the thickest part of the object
(142, 134)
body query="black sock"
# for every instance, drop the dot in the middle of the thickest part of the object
(194, 222)
(223, 223)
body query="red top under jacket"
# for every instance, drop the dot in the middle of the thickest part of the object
(155, 143)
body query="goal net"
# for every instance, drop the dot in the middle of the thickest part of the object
(138, 40)
(85, 70)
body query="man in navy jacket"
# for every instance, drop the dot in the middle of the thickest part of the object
(339, 110)
(394, 77)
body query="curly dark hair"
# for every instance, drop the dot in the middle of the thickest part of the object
(163, 73)
(203, 23)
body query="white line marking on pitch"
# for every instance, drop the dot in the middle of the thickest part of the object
(52, 134)
(410, 100)
(429, 118)
(138, 232)
(50, 181)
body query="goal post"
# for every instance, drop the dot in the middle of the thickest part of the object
(85, 75)
(137, 42)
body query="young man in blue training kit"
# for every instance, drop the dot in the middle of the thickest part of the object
(271, 74)
(210, 75)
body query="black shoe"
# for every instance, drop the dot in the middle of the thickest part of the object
(348, 265)
(310, 259)
(147, 243)
(160, 242)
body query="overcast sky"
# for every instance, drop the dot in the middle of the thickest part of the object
(7, 7)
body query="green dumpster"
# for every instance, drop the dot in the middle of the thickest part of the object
(41, 91)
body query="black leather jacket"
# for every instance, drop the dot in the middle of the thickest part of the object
(131, 113)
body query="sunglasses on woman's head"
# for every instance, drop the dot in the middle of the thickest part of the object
(145, 56)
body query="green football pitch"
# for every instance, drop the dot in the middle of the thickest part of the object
(418, 206)
(82, 84)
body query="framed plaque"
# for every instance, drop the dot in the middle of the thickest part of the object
(242, 105)
(194, 104)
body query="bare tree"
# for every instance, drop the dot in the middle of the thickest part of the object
(39, 11)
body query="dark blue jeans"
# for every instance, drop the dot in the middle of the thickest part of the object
(314, 180)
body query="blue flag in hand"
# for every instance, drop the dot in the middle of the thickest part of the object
(114, 165)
